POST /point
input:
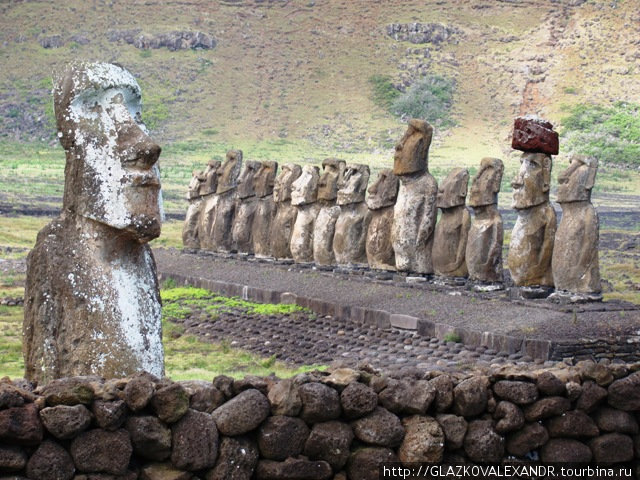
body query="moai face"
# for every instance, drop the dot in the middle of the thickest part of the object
(384, 191)
(194, 184)
(331, 178)
(486, 184)
(531, 185)
(452, 192)
(412, 151)
(305, 189)
(229, 171)
(245, 181)
(576, 182)
(282, 187)
(354, 187)
(210, 177)
(112, 175)
(264, 180)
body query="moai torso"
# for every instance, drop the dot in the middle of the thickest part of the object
(190, 238)
(285, 218)
(304, 194)
(328, 212)
(265, 209)
(225, 207)
(246, 205)
(450, 237)
(381, 200)
(208, 207)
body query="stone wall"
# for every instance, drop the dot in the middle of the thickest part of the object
(317, 425)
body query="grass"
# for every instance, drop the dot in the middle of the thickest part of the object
(11, 363)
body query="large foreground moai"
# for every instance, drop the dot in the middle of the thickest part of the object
(575, 256)
(92, 305)
(325, 224)
(533, 235)
(414, 214)
(486, 235)
(349, 241)
(209, 201)
(265, 210)
(246, 205)
(450, 237)
(220, 237)
(283, 222)
(304, 194)
(381, 200)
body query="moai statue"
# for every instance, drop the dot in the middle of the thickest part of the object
(484, 242)
(263, 183)
(190, 227)
(304, 194)
(576, 272)
(246, 204)
(414, 214)
(220, 236)
(92, 305)
(325, 225)
(450, 238)
(350, 239)
(532, 237)
(381, 200)
(209, 201)
(282, 225)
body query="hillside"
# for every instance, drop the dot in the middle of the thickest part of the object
(299, 70)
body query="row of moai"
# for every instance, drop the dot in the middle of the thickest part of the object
(321, 216)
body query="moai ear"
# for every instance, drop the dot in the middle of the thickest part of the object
(593, 169)
(546, 173)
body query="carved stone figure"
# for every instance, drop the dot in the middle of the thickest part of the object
(349, 242)
(263, 183)
(221, 237)
(414, 214)
(209, 201)
(282, 225)
(304, 194)
(382, 198)
(92, 305)
(325, 224)
(450, 238)
(246, 205)
(190, 228)
(575, 256)
(485, 238)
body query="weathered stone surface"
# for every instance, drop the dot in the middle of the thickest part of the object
(380, 427)
(280, 437)
(454, 429)
(450, 237)
(220, 237)
(329, 441)
(364, 463)
(520, 393)
(109, 415)
(242, 413)
(612, 448)
(590, 397)
(319, 403)
(293, 469)
(381, 200)
(190, 227)
(533, 134)
(50, 462)
(138, 392)
(304, 193)
(546, 407)
(68, 391)
(11, 396)
(100, 451)
(572, 424)
(129, 475)
(357, 400)
(12, 459)
(237, 459)
(612, 420)
(163, 471)
(92, 305)
(324, 230)
(285, 218)
(150, 437)
(339, 378)
(509, 417)
(482, 443)
(410, 397)
(284, 398)
(470, 396)
(225, 385)
(263, 184)
(414, 214)
(170, 403)
(252, 381)
(21, 425)
(443, 386)
(203, 396)
(549, 384)
(64, 421)
(624, 394)
(529, 438)
(194, 440)
(423, 440)
(246, 205)
(565, 450)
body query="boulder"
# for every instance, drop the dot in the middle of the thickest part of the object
(529, 438)
(68, 391)
(403, 396)
(65, 422)
(454, 428)
(138, 392)
(443, 386)
(329, 441)
(203, 396)
(423, 440)
(280, 437)
(482, 443)
(293, 469)
(242, 413)
(358, 400)
(565, 450)
(162, 471)
(545, 408)
(470, 397)
(21, 425)
(109, 415)
(572, 424)
(12, 459)
(170, 403)
(237, 459)
(284, 398)
(50, 462)
(612, 420)
(319, 403)
(509, 417)
(364, 463)
(624, 394)
(591, 396)
(520, 393)
(550, 385)
(612, 448)
(380, 427)
(150, 437)
(194, 440)
(100, 451)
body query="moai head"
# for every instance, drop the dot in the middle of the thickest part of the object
(354, 185)
(384, 191)
(210, 177)
(452, 192)
(245, 180)
(264, 180)
(531, 185)
(486, 184)
(331, 178)
(195, 184)
(305, 189)
(229, 171)
(576, 182)
(412, 151)
(111, 173)
(282, 187)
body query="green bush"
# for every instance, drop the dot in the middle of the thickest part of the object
(430, 98)
(609, 133)
(384, 93)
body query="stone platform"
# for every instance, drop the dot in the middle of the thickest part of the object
(538, 329)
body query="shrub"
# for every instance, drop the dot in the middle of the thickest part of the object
(430, 98)
(384, 93)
